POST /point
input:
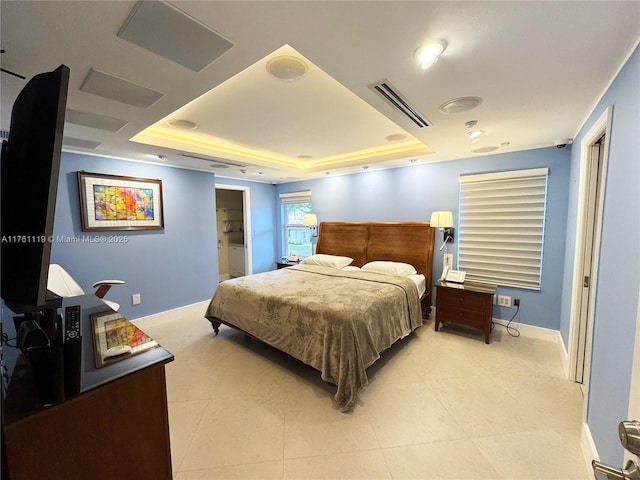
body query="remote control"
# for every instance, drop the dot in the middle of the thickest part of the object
(71, 322)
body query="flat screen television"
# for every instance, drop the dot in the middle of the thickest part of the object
(29, 185)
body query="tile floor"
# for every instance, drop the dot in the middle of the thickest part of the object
(439, 405)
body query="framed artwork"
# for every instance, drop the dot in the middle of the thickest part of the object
(112, 332)
(113, 202)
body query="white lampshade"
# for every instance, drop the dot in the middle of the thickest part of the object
(441, 219)
(310, 219)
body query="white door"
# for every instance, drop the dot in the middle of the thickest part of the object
(593, 171)
(594, 176)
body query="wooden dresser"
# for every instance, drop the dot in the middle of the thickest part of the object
(115, 425)
(468, 304)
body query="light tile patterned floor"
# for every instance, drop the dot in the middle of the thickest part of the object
(439, 405)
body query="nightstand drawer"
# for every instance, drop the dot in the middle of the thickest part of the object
(473, 318)
(461, 299)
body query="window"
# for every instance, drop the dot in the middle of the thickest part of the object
(297, 237)
(501, 231)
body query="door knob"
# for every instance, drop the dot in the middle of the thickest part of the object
(629, 433)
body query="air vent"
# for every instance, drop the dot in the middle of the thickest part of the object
(215, 160)
(391, 95)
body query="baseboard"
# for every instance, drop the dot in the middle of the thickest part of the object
(530, 331)
(203, 304)
(588, 446)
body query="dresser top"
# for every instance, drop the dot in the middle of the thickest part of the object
(469, 286)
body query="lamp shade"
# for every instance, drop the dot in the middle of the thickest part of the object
(310, 219)
(441, 219)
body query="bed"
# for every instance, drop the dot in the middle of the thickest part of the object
(337, 320)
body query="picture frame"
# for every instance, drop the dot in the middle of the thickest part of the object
(113, 330)
(115, 202)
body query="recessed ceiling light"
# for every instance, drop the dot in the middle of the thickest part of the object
(475, 134)
(183, 124)
(459, 105)
(484, 149)
(395, 137)
(287, 67)
(428, 54)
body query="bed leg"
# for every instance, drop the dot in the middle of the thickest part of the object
(216, 326)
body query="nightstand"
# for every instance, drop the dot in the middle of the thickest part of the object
(466, 303)
(285, 264)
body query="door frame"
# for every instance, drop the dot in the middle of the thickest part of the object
(634, 389)
(246, 215)
(601, 127)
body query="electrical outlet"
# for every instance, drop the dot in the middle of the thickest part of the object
(137, 300)
(504, 300)
(516, 302)
(447, 260)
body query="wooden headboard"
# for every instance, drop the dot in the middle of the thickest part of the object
(408, 242)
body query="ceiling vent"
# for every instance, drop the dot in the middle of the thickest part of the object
(215, 160)
(391, 95)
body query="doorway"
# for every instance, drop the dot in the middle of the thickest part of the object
(233, 227)
(593, 168)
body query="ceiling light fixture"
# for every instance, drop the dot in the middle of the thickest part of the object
(459, 105)
(428, 54)
(183, 124)
(485, 149)
(475, 134)
(287, 67)
(395, 137)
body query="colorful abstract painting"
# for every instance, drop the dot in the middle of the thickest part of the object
(122, 203)
(114, 202)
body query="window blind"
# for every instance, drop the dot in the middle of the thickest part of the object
(501, 229)
(296, 197)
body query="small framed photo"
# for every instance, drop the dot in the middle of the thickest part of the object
(116, 338)
(114, 202)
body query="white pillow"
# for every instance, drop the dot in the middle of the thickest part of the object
(325, 260)
(390, 268)
(351, 268)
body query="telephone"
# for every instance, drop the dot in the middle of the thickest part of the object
(449, 275)
(292, 257)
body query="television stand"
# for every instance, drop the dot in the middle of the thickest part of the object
(115, 427)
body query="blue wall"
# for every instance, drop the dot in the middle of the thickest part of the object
(616, 304)
(151, 262)
(413, 192)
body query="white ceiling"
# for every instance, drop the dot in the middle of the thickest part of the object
(538, 66)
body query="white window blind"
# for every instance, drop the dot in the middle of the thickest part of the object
(296, 197)
(501, 231)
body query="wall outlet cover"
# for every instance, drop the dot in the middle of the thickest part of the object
(136, 299)
(504, 300)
